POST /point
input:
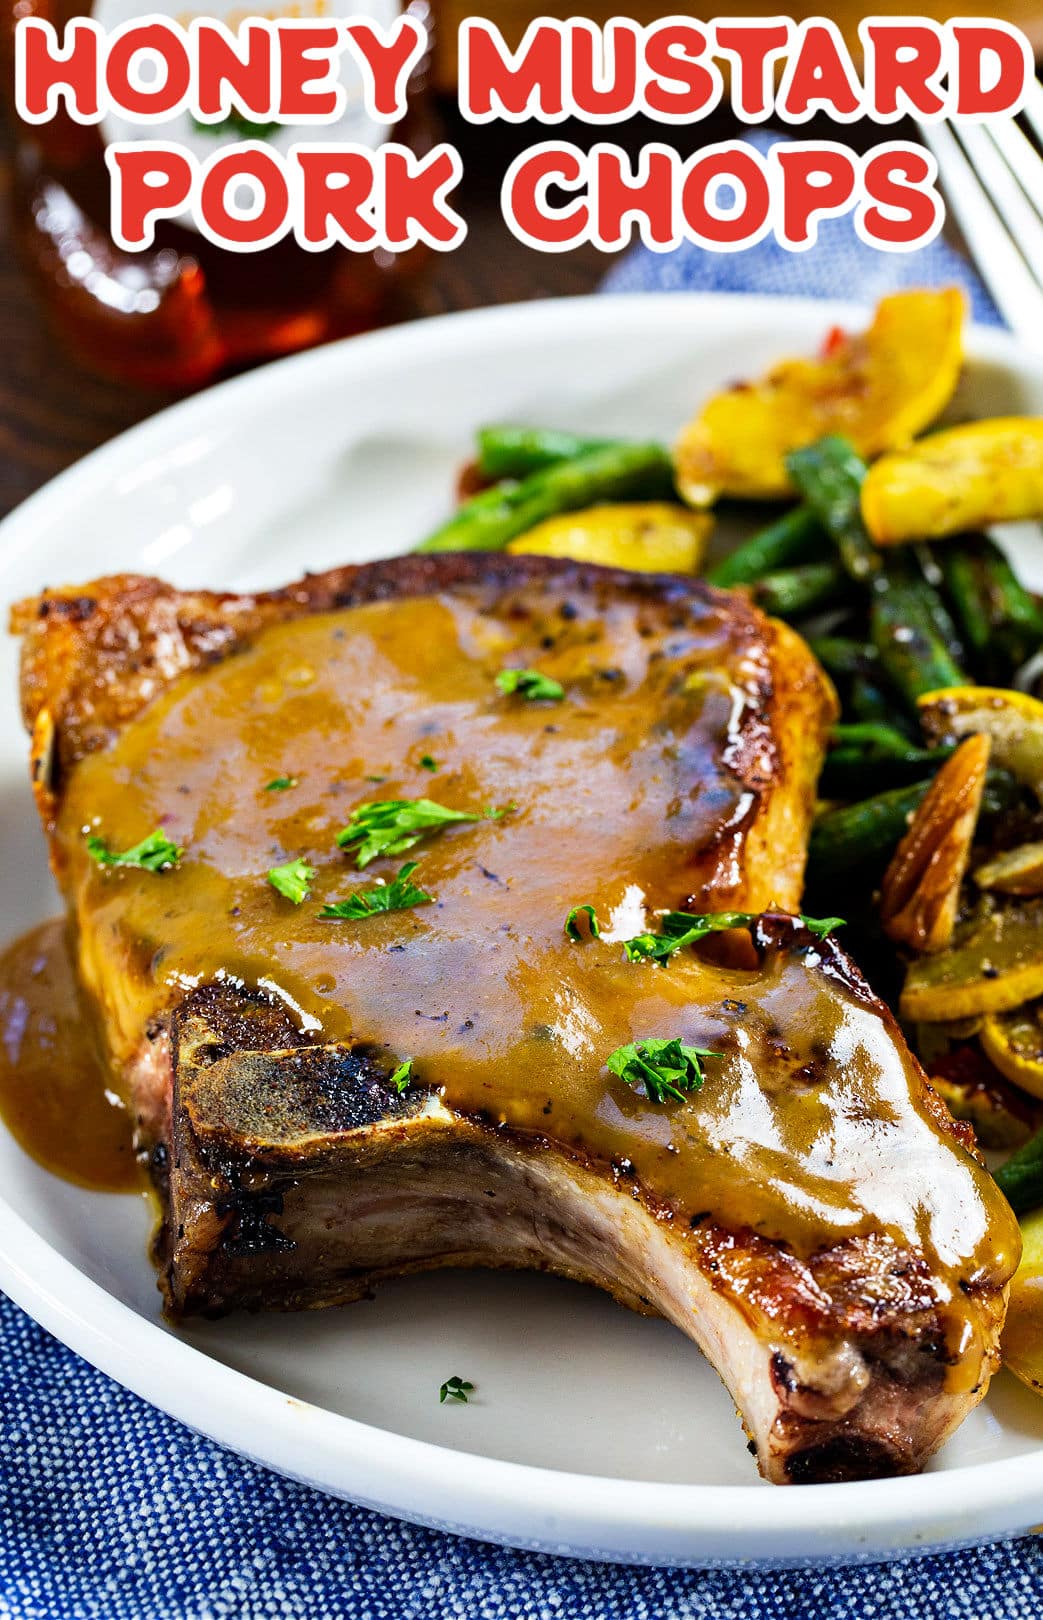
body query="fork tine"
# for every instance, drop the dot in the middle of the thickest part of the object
(1015, 290)
(1022, 157)
(982, 147)
(1034, 108)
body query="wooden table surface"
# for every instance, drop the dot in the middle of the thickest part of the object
(52, 411)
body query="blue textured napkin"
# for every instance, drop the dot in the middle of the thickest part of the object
(110, 1511)
(840, 265)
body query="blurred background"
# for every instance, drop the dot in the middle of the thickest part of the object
(94, 340)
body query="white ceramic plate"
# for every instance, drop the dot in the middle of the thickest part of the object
(593, 1431)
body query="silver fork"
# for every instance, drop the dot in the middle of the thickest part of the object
(993, 178)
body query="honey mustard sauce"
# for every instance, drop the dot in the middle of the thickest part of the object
(56, 1097)
(809, 1126)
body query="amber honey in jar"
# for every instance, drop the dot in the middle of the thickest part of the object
(185, 309)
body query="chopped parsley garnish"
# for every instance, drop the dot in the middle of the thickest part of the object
(530, 684)
(390, 826)
(428, 763)
(572, 927)
(454, 1389)
(398, 895)
(156, 853)
(822, 927)
(279, 784)
(679, 929)
(402, 1075)
(661, 1069)
(292, 879)
(375, 779)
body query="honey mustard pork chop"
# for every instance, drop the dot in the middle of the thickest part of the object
(345, 1066)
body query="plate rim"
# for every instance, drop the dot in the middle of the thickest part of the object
(547, 1509)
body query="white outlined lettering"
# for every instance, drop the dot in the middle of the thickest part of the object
(342, 194)
(890, 192)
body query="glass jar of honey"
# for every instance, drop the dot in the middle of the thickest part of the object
(185, 310)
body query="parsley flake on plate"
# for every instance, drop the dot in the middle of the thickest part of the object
(280, 784)
(661, 1069)
(454, 1389)
(391, 826)
(292, 880)
(398, 895)
(530, 684)
(428, 763)
(156, 853)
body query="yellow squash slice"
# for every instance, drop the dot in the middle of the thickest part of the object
(650, 536)
(965, 478)
(994, 964)
(1012, 720)
(1023, 1330)
(1013, 1041)
(879, 389)
(1016, 871)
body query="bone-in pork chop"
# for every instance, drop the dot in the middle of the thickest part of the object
(327, 1101)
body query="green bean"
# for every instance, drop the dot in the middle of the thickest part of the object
(515, 452)
(1000, 620)
(866, 834)
(869, 703)
(790, 592)
(874, 737)
(913, 634)
(844, 658)
(829, 475)
(619, 473)
(926, 568)
(909, 623)
(878, 755)
(795, 538)
(1021, 1178)
(855, 665)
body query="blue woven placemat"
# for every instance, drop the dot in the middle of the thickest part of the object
(110, 1511)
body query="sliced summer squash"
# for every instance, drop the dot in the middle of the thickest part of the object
(647, 536)
(1023, 1330)
(1013, 1041)
(1015, 871)
(994, 964)
(963, 479)
(1013, 721)
(878, 389)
